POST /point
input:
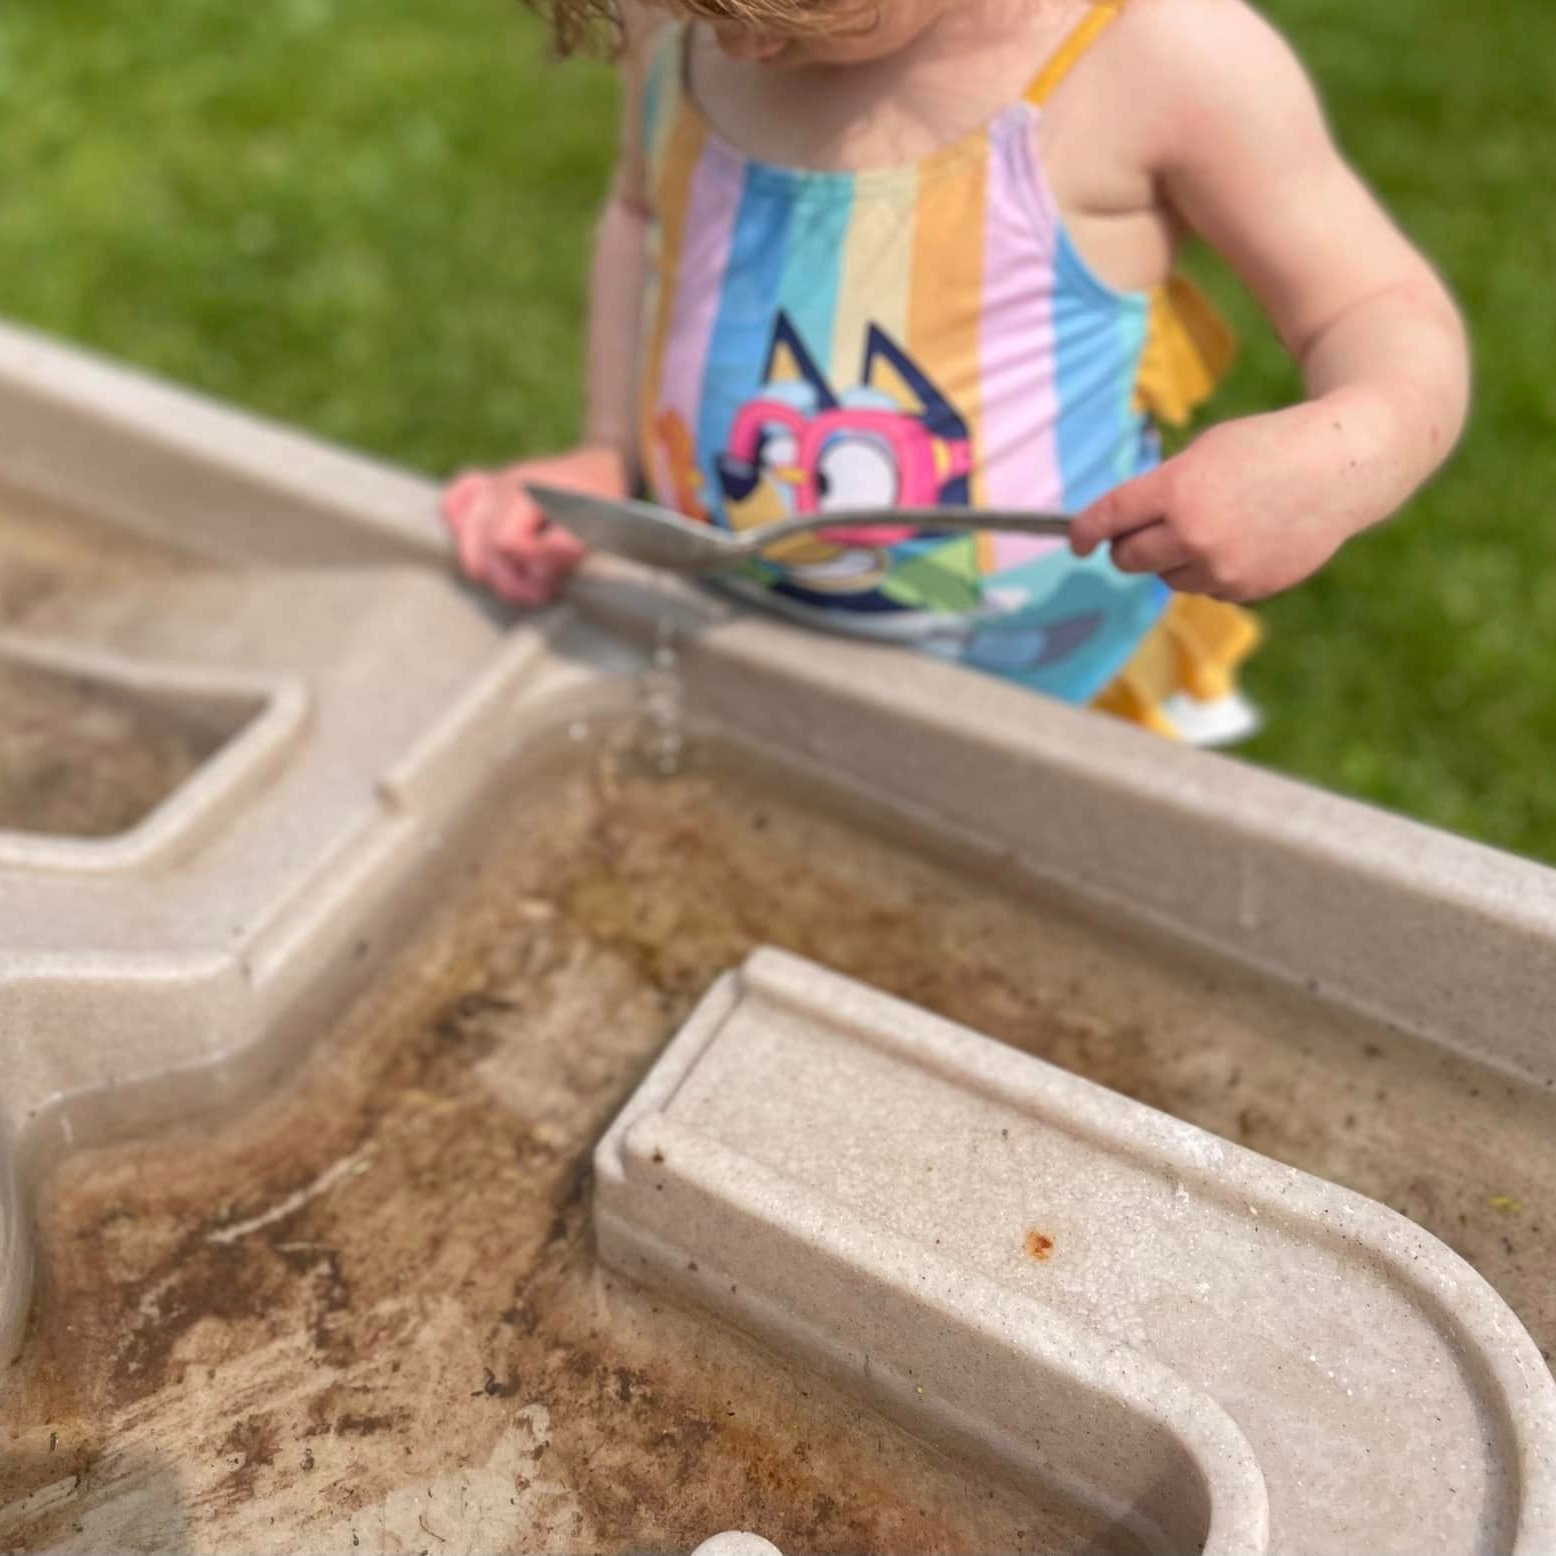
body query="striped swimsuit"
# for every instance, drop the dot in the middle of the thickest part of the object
(919, 335)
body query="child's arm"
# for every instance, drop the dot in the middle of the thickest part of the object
(620, 260)
(1240, 149)
(501, 536)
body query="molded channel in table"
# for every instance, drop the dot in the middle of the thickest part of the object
(1221, 1352)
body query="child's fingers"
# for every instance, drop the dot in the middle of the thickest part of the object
(522, 530)
(1127, 508)
(471, 532)
(1154, 549)
(460, 493)
(556, 545)
(532, 580)
(528, 567)
(1191, 579)
(512, 580)
(502, 540)
(517, 524)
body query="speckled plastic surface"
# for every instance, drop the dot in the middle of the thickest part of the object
(1223, 1353)
(374, 707)
(167, 966)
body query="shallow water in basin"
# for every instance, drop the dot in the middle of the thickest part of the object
(83, 758)
(366, 1312)
(79, 758)
(47, 552)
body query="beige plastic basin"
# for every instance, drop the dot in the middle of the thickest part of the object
(379, 827)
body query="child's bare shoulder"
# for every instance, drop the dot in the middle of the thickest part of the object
(1193, 70)
(1198, 36)
(642, 31)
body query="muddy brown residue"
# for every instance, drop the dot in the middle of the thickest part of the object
(252, 1444)
(393, 1264)
(47, 552)
(83, 758)
(403, 1238)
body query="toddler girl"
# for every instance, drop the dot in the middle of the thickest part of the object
(875, 252)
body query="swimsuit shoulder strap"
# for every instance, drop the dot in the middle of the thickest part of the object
(663, 84)
(1069, 54)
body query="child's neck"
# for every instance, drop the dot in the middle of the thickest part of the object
(950, 80)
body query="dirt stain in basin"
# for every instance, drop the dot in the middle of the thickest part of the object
(379, 1288)
(252, 1444)
(1039, 1245)
(48, 552)
(78, 757)
(82, 758)
(391, 1263)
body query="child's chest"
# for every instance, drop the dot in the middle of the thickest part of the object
(911, 107)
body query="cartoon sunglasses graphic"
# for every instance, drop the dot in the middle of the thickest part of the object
(847, 458)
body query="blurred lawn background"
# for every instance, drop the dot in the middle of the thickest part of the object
(371, 217)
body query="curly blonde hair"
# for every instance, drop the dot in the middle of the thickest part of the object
(595, 26)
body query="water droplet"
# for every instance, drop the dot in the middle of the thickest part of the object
(661, 741)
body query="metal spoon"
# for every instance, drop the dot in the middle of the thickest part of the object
(644, 532)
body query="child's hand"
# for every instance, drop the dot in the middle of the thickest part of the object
(1251, 508)
(1235, 133)
(502, 537)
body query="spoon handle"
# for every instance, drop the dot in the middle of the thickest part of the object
(1015, 521)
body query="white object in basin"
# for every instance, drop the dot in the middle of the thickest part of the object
(1225, 1354)
(737, 1542)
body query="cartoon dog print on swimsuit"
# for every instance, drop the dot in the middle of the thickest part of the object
(799, 447)
(1031, 613)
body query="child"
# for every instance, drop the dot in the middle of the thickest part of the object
(921, 251)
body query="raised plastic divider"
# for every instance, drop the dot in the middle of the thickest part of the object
(138, 451)
(1066, 1283)
(112, 1017)
(180, 953)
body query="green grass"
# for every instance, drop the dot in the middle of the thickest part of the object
(1420, 669)
(371, 217)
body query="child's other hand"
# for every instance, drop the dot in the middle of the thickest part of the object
(502, 537)
(1249, 509)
